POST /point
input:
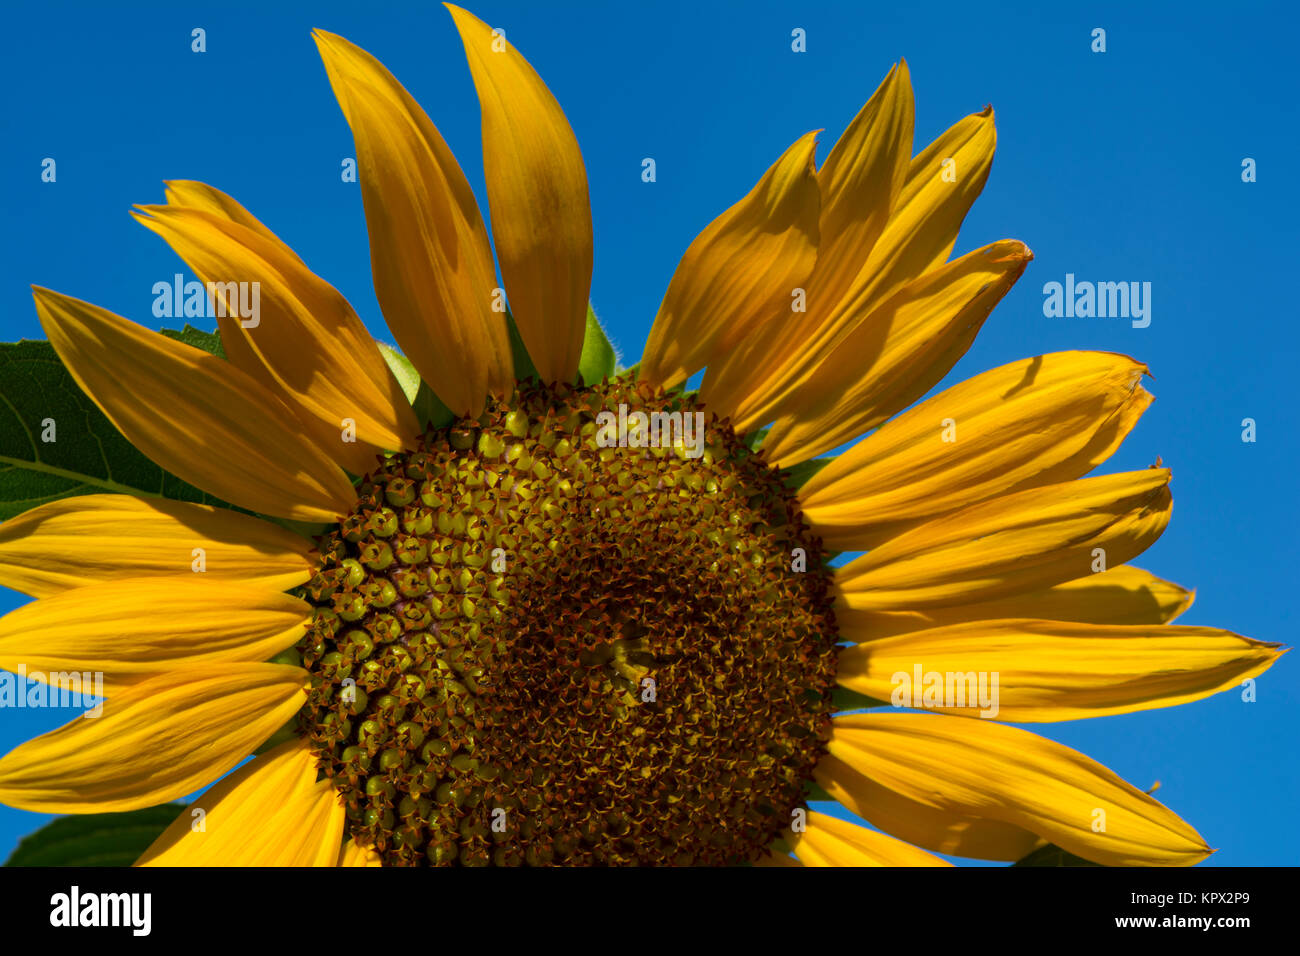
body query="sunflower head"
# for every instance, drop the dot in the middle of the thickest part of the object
(589, 615)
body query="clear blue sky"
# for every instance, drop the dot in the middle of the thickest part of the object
(1117, 166)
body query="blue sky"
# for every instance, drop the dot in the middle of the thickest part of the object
(1117, 166)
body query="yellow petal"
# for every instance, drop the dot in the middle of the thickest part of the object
(984, 769)
(1026, 671)
(429, 250)
(156, 741)
(922, 824)
(199, 417)
(87, 539)
(859, 183)
(354, 854)
(1019, 542)
(270, 812)
(893, 358)
(922, 229)
(195, 195)
(739, 272)
(1123, 595)
(308, 347)
(133, 630)
(1034, 422)
(537, 193)
(828, 841)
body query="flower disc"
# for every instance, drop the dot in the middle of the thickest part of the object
(536, 645)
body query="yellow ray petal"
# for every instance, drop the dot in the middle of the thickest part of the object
(895, 356)
(1034, 422)
(985, 769)
(859, 183)
(921, 824)
(92, 538)
(429, 250)
(133, 630)
(537, 193)
(156, 741)
(828, 841)
(739, 272)
(307, 346)
(191, 194)
(354, 854)
(922, 229)
(1019, 542)
(1025, 670)
(1123, 595)
(199, 417)
(270, 812)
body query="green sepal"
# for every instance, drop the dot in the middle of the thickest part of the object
(796, 476)
(844, 699)
(88, 454)
(429, 409)
(95, 839)
(524, 367)
(1053, 855)
(599, 360)
(812, 790)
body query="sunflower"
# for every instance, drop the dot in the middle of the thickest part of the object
(593, 618)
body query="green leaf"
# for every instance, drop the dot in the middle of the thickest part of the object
(599, 360)
(87, 456)
(95, 839)
(844, 699)
(1053, 855)
(207, 341)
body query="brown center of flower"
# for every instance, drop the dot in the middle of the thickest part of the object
(588, 628)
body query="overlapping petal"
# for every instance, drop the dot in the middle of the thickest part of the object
(156, 741)
(828, 841)
(1123, 595)
(1034, 422)
(87, 539)
(537, 193)
(983, 769)
(859, 183)
(199, 417)
(941, 829)
(270, 812)
(305, 344)
(1024, 670)
(129, 631)
(739, 273)
(1018, 542)
(429, 252)
(941, 184)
